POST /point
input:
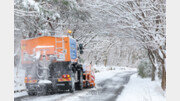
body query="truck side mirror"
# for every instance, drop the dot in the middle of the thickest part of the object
(81, 48)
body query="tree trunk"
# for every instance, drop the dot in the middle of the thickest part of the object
(163, 83)
(151, 57)
(105, 62)
(153, 73)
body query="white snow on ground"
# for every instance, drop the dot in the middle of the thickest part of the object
(139, 89)
(100, 68)
(19, 85)
(19, 94)
(103, 74)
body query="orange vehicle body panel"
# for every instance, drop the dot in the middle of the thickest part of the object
(31, 46)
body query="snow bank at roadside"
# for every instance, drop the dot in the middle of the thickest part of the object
(19, 85)
(100, 68)
(139, 89)
(19, 94)
(102, 72)
(19, 75)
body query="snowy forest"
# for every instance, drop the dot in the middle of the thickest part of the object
(128, 33)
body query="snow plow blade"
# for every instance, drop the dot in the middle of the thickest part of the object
(88, 77)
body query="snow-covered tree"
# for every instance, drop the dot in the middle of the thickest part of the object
(114, 32)
(143, 20)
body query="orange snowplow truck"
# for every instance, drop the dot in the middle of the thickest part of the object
(51, 65)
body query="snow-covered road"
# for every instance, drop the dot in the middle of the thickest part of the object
(109, 84)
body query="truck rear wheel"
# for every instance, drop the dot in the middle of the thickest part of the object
(80, 83)
(31, 93)
(42, 90)
(72, 87)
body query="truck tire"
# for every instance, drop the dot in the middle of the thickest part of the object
(80, 83)
(72, 87)
(31, 93)
(42, 90)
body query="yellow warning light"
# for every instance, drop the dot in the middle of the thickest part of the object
(69, 31)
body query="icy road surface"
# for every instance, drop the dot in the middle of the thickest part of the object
(109, 84)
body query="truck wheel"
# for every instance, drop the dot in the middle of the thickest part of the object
(72, 88)
(42, 90)
(31, 93)
(80, 83)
